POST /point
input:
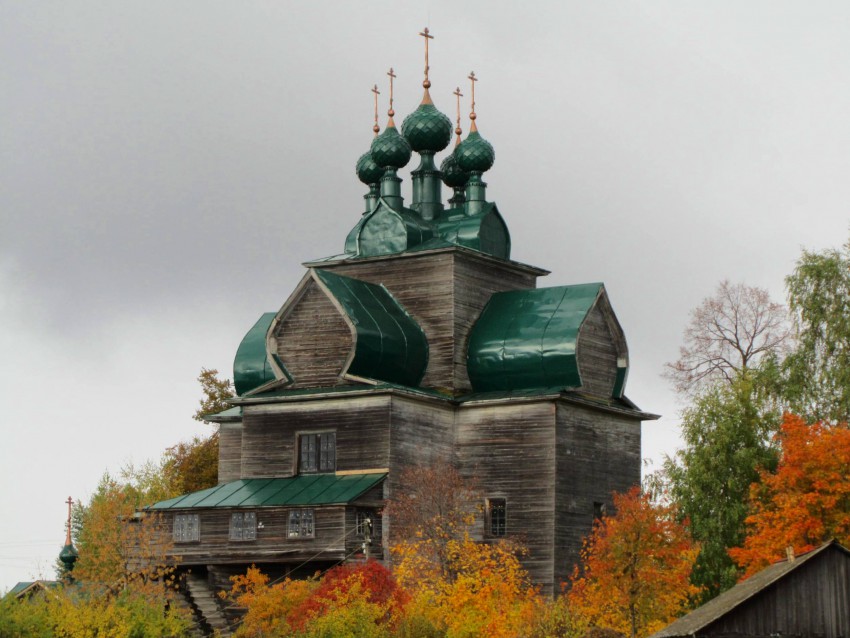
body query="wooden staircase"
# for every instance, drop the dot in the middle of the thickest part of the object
(204, 602)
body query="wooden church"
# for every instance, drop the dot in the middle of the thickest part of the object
(421, 343)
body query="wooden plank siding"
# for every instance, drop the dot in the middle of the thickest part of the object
(597, 355)
(270, 432)
(813, 601)
(273, 543)
(509, 449)
(313, 340)
(597, 453)
(229, 452)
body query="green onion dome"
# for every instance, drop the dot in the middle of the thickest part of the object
(453, 175)
(426, 129)
(368, 171)
(475, 153)
(390, 149)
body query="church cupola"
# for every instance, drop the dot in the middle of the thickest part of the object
(475, 155)
(68, 556)
(453, 175)
(367, 169)
(390, 151)
(428, 131)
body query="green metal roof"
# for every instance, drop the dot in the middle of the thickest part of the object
(390, 345)
(305, 489)
(251, 367)
(485, 232)
(527, 338)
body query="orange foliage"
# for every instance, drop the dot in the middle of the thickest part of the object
(636, 567)
(806, 501)
(272, 610)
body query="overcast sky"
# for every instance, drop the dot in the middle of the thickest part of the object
(165, 168)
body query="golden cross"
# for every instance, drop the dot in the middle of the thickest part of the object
(376, 128)
(458, 130)
(426, 34)
(392, 75)
(474, 80)
(70, 501)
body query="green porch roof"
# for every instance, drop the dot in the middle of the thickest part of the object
(305, 489)
(527, 338)
(390, 345)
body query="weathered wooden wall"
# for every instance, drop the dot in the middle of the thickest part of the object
(313, 340)
(269, 434)
(813, 601)
(273, 543)
(597, 355)
(597, 453)
(509, 449)
(229, 452)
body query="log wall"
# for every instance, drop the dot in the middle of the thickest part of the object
(597, 355)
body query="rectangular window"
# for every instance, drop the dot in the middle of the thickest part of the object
(363, 523)
(497, 516)
(598, 510)
(187, 528)
(243, 526)
(317, 453)
(301, 523)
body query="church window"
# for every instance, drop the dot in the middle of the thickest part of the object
(243, 526)
(187, 528)
(363, 523)
(497, 519)
(598, 510)
(318, 452)
(301, 523)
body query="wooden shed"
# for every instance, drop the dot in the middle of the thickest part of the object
(804, 597)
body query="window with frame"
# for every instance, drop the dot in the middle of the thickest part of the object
(598, 510)
(317, 452)
(363, 523)
(497, 516)
(187, 528)
(243, 526)
(301, 523)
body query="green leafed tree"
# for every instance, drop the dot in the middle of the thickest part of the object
(727, 434)
(818, 370)
(216, 393)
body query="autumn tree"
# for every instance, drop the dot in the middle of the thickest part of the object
(728, 334)
(818, 369)
(432, 505)
(727, 433)
(635, 571)
(806, 501)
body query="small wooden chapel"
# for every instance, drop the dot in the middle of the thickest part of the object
(421, 342)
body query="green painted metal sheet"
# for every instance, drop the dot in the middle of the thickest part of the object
(485, 232)
(305, 489)
(527, 338)
(390, 344)
(251, 367)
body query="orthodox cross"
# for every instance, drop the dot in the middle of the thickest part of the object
(458, 130)
(376, 128)
(426, 34)
(70, 501)
(473, 80)
(392, 75)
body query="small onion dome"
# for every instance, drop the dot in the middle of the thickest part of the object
(453, 175)
(426, 129)
(68, 556)
(390, 149)
(475, 153)
(368, 171)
